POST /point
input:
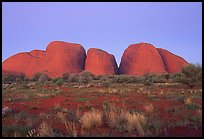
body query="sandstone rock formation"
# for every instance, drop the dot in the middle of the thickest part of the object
(59, 57)
(172, 62)
(142, 58)
(100, 62)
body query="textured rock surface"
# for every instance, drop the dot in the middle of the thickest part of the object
(59, 57)
(141, 58)
(100, 62)
(172, 62)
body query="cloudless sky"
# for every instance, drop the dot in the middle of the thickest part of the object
(110, 26)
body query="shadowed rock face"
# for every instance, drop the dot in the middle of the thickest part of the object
(59, 58)
(100, 62)
(141, 58)
(172, 62)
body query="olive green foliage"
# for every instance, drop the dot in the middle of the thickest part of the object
(85, 77)
(10, 78)
(60, 81)
(192, 75)
(73, 78)
(106, 83)
(43, 78)
(55, 80)
(65, 76)
(39, 75)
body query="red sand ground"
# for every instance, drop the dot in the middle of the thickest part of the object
(69, 100)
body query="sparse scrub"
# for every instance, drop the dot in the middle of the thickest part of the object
(43, 78)
(65, 76)
(55, 80)
(157, 78)
(192, 106)
(192, 75)
(57, 107)
(11, 78)
(73, 78)
(15, 131)
(36, 76)
(106, 83)
(60, 81)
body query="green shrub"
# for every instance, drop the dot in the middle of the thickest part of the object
(65, 76)
(157, 78)
(192, 75)
(37, 75)
(123, 79)
(18, 79)
(60, 81)
(104, 78)
(85, 77)
(106, 83)
(73, 78)
(177, 77)
(192, 106)
(10, 78)
(55, 80)
(43, 78)
(86, 73)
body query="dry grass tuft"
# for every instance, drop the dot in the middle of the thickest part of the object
(188, 101)
(61, 116)
(136, 121)
(45, 130)
(124, 120)
(91, 119)
(149, 108)
(71, 128)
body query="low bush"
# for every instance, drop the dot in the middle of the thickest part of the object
(11, 78)
(73, 78)
(106, 83)
(65, 76)
(36, 77)
(43, 78)
(192, 75)
(60, 81)
(85, 77)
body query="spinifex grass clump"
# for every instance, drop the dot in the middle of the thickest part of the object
(91, 119)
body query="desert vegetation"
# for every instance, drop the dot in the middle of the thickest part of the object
(84, 104)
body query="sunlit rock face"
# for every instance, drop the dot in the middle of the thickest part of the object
(59, 57)
(142, 58)
(100, 62)
(172, 62)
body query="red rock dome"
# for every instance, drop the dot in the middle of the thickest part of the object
(172, 62)
(100, 62)
(59, 57)
(142, 58)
